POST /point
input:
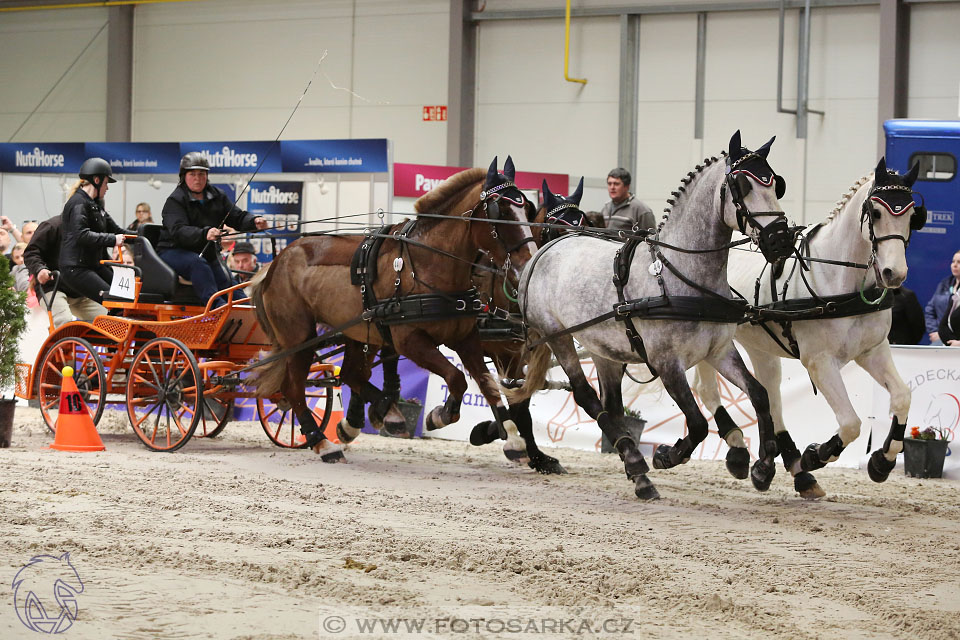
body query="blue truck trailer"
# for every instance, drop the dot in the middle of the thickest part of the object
(935, 144)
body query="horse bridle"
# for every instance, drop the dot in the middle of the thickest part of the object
(918, 217)
(490, 201)
(775, 239)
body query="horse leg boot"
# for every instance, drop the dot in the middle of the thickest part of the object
(392, 420)
(294, 391)
(826, 377)
(878, 362)
(731, 366)
(539, 461)
(349, 426)
(707, 387)
(803, 481)
(675, 382)
(354, 373)
(471, 353)
(610, 421)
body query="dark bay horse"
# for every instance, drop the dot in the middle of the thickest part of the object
(310, 283)
(510, 355)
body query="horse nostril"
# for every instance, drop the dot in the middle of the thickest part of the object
(887, 275)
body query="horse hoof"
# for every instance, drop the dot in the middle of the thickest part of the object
(328, 451)
(547, 465)
(806, 485)
(762, 475)
(346, 433)
(433, 421)
(644, 489)
(483, 434)
(879, 467)
(738, 462)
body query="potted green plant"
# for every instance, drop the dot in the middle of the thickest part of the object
(924, 452)
(12, 323)
(410, 408)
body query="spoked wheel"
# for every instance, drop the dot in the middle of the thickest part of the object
(214, 417)
(88, 374)
(282, 427)
(164, 392)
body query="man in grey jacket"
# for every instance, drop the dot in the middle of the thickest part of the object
(624, 211)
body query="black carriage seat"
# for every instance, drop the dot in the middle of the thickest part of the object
(159, 282)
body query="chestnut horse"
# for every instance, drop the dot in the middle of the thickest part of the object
(431, 264)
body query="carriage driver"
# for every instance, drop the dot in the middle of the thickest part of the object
(192, 217)
(88, 231)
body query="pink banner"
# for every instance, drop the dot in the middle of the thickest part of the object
(414, 180)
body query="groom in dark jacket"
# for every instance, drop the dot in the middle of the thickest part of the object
(193, 217)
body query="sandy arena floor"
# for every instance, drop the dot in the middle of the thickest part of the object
(235, 538)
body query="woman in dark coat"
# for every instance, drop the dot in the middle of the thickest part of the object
(950, 324)
(88, 231)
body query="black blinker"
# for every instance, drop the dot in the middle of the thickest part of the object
(493, 210)
(780, 185)
(743, 185)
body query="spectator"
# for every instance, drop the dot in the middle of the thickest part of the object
(127, 254)
(26, 234)
(7, 225)
(5, 244)
(907, 326)
(18, 269)
(243, 260)
(950, 324)
(939, 304)
(624, 211)
(143, 217)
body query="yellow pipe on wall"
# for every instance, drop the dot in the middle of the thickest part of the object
(566, 53)
(86, 5)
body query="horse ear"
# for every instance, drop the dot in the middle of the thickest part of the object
(509, 170)
(764, 151)
(911, 176)
(577, 194)
(492, 173)
(734, 150)
(880, 173)
(545, 190)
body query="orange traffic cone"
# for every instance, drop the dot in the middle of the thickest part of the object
(75, 429)
(336, 415)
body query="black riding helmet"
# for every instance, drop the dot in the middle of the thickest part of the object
(192, 161)
(94, 170)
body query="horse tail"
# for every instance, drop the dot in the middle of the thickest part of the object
(537, 367)
(269, 377)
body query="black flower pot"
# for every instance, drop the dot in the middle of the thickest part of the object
(924, 458)
(634, 428)
(411, 414)
(7, 407)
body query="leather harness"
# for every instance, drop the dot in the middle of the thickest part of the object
(399, 308)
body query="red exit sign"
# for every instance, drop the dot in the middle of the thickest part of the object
(436, 113)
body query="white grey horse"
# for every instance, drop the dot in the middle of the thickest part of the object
(829, 321)
(678, 302)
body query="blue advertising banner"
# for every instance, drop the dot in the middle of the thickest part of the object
(138, 157)
(281, 204)
(236, 157)
(41, 157)
(335, 156)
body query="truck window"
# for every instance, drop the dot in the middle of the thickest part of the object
(935, 167)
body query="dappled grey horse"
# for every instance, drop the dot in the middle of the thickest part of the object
(664, 301)
(828, 312)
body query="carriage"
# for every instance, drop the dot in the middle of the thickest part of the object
(175, 364)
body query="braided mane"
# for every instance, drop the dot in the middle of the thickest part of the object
(681, 190)
(449, 191)
(846, 197)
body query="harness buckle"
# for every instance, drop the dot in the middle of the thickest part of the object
(461, 305)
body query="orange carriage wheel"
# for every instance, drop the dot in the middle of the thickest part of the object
(282, 427)
(88, 374)
(216, 415)
(164, 391)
